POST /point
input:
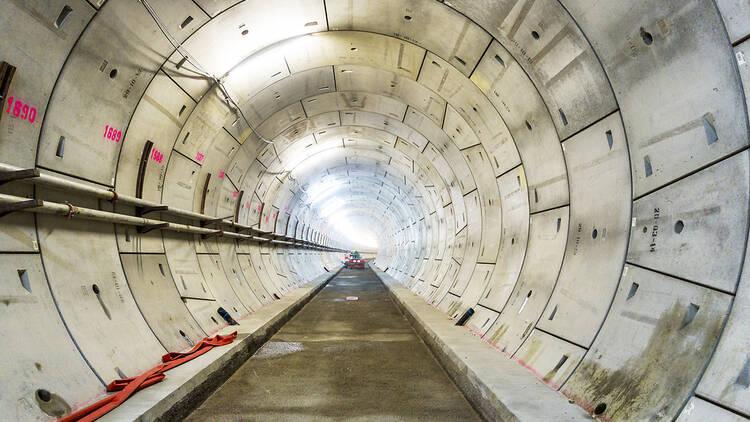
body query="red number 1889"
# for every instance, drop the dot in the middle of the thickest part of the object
(112, 134)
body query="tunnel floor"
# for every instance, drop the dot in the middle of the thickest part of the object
(340, 359)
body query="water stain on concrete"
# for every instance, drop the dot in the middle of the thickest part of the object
(648, 387)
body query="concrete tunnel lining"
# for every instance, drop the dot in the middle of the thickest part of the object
(576, 172)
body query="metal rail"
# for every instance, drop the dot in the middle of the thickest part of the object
(42, 178)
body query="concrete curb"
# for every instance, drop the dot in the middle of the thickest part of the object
(497, 387)
(187, 386)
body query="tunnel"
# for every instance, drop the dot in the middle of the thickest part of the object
(551, 197)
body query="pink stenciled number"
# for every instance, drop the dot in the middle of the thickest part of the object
(19, 109)
(156, 155)
(109, 132)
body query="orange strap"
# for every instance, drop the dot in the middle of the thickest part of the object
(127, 386)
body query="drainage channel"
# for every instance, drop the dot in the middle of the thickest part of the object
(349, 353)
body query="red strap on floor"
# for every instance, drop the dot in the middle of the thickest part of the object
(127, 386)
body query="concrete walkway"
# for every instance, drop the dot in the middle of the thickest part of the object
(340, 359)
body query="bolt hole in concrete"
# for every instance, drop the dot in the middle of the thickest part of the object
(648, 39)
(600, 408)
(51, 404)
(43, 395)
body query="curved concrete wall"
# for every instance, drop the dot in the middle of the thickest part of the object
(576, 172)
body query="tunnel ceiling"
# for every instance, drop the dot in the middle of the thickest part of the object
(569, 170)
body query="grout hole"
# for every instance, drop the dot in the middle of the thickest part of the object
(678, 226)
(500, 60)
(180, 63)
(460, 60)
(535, 35)
(245, 32)
(182, 110)
(407, 18)
(563, 118)
(95, 288)
(594, 234)
(113, 73)
(161, 269)
(528, 125)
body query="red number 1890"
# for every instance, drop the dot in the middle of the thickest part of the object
(19, 109)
